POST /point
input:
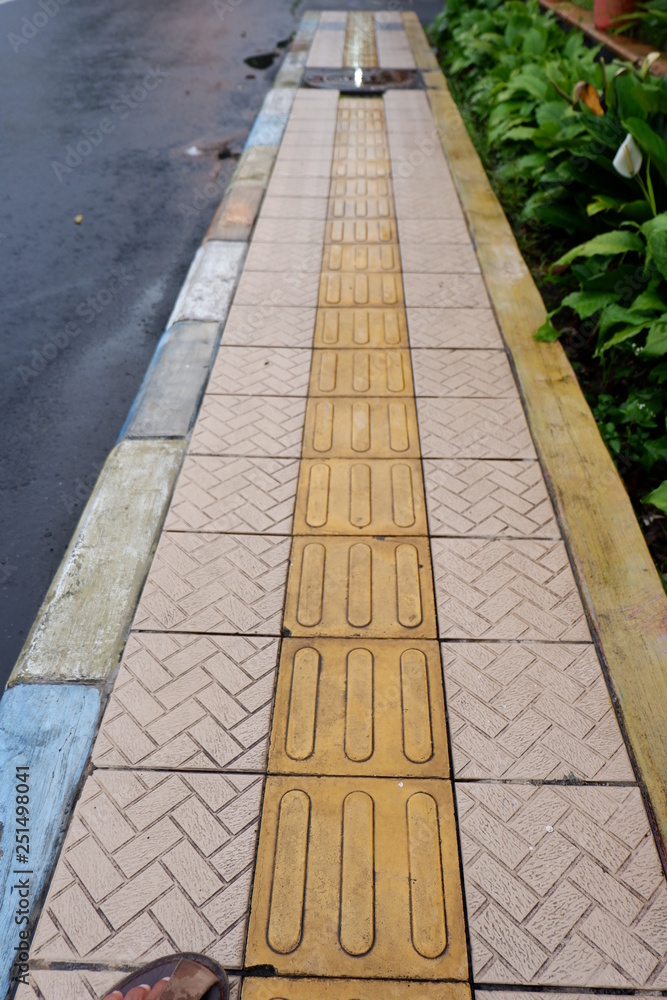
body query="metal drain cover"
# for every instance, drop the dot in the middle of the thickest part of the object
(363, 81)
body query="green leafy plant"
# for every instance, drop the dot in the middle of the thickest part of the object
(576, 149)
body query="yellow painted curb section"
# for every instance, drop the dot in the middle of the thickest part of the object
(358, 873)
(358, 867)
(350, 989)
(80, 630)
(624, 597)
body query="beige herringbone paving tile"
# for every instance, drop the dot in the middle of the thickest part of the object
(427, 232)
(154, 863)
(190, 703)
(563, 886)
(463, 373)
(455, 427)
(309, 144)
(281, 207)
(461, 328)
(260, 371)
(418, 160)
(531, 711)
(257, 288)
(441, 258)
(303, 258)
(83, 984)
(510, 994)
(329, 41)
(509, 499)
(293, 230)
(215, 583)
(234, 495)
(269, 326)
(445, 291)
(506, 589)
(65, 984)
(250, 426)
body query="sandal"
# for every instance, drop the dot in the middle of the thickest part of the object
(191, 977)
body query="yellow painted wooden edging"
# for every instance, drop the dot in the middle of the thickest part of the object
(623, 594)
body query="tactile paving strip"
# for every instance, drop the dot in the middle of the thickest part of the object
(346, 586)
(358, 872)
(358, 877)
(346, 707)
(351, 989)
(366, 497)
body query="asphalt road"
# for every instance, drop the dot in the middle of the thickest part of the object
(119, 112)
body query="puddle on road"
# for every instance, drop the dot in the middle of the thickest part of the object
(262, 61)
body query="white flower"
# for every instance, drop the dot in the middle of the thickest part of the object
(628, 159)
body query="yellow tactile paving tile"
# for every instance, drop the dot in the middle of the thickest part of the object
(358, 878)
(360, 48)
(355, 290)
(361, 373)
(373, 328)
(352, 707)
(361, 231)
(360, 169)
(351, 989)
(361, 207)
(356, 187)
(346, 497)
(361, 258)
(349, 428)
(358, 153)
(347, 587)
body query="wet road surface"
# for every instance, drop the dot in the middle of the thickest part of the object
(128, 115)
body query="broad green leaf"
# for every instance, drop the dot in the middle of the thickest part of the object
(650, 300)
(520, 132)
(629, 97)
(650, 142)
(658, 497)
(655, 231)
(585, 304)
(547, 333)
(656, 342)
(605, 245)
(615, 314)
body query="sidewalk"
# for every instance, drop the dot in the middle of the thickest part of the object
(281, 779)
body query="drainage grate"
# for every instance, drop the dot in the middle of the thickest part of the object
(363, 81)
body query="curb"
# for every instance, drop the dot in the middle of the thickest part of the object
(58, 688)
(623, 595)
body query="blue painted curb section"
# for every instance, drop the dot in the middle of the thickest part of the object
(267, 130)
(169, 397)
(46, 729)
